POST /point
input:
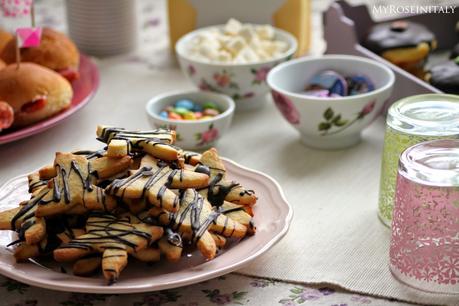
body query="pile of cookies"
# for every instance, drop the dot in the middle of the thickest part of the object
(139, 196)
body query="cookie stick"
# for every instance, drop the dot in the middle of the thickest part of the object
(158, 143)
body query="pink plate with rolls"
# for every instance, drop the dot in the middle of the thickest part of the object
(272, 217)
(83, 90)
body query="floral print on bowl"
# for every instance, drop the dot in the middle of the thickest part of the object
(224, 82)
(206, 86)
(259, 75)
(286, 107)
(225, 79)
(333, 120)
(208, 137)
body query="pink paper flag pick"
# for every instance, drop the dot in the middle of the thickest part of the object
(28, 37)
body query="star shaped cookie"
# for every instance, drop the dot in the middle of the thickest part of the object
(114, 237)
(195, 218)
(153, 180)
(220, 189)
(22, 219)
(73, 189)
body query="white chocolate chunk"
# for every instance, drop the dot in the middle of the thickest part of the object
(265, 32)
(248, 33)
(237, 43)
(248, 55)
(224, 56)
(233, 27)
(208, 52)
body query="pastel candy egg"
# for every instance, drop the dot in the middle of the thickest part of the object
(329, 80)
(209, 105)
(174, 116)
(206, 117)
(210, 112)
(359, 84)
(163, 114)
(189, 116)
(198, 115)
(197, 108)
(181, 111)
(185, 103)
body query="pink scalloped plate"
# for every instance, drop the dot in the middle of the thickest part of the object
(273, 215)
(83, 90)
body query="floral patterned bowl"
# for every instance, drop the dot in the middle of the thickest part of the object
(329, 123)
(193, 134)
(245, 83)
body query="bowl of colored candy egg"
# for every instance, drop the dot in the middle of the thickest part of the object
(199, 118)
(234, 59)
(330, 99)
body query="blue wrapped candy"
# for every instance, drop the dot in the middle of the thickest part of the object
(359, 84)
(329, 80)
(185, 103)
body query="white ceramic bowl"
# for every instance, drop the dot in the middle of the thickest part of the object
(245, 83)
(193, 134)
(329, 123)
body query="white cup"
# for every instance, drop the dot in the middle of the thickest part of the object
(103, 27)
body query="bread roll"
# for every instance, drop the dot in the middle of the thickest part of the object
(34, 92)
(5, 38)
(56, 52)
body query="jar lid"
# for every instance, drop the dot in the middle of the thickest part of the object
(428, 115)
(434, 163)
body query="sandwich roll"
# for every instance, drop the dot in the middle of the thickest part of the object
(56, 52)
(34, 92)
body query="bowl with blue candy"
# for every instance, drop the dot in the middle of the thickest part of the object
(199, 118)
(330, 99)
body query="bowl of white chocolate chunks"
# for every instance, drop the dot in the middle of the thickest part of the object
(234, 59)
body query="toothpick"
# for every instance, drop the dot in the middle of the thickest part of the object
(32, 13)
(18, 54)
